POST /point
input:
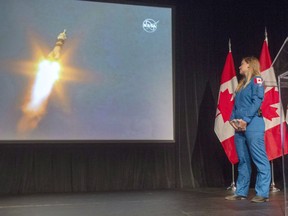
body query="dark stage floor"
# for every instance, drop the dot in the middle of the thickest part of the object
(141, 203)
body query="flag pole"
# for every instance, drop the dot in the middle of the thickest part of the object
(222, 128)
(272, 186)
(232, 185)
(266, 35)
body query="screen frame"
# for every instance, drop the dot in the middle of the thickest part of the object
(127, 141)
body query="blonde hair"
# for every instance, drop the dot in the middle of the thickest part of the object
(254, 70)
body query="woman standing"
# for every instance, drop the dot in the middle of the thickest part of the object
(249, 128)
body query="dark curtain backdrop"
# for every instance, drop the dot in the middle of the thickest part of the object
(196, 159)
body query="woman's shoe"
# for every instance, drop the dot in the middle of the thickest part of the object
(235, 197)
(259, 199)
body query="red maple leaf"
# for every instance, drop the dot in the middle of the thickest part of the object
(271, 97)
(225, 105)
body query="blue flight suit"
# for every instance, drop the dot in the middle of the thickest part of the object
(251, 142)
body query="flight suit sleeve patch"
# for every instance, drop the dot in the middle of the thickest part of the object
(258, 80)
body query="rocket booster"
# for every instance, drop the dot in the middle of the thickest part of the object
(55, 53)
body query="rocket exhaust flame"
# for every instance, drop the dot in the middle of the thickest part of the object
(48, 73)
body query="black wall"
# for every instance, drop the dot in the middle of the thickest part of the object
(196, 159)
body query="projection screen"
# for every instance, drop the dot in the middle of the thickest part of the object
(112, 79)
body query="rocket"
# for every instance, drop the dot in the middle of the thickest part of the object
(55, 53)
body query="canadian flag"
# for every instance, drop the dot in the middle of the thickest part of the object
(222, 127)
(271, 108)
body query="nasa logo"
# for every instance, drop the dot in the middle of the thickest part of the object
(149, 25)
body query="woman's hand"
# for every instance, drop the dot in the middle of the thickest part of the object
(234, 124)
(242, 124)
(238, 124)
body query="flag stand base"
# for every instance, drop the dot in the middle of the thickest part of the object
(232, 187)
(273, 189)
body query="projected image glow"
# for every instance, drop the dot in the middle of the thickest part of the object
(112, 79)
